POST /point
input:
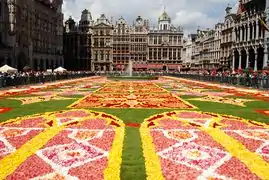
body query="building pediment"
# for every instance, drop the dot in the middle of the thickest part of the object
(102, 25)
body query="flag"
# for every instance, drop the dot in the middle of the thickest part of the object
(241, 9)
(264, 25)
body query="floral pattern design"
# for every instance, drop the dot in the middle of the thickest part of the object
(258, 94)
(201, 145)
(216, 99)
(134, 95)
(37, 99)
(71, 143)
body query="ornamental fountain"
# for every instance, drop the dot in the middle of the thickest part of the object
(129, 69)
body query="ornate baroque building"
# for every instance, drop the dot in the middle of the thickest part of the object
(85, 41)
(78, 42)
(165, 44)
(121, 44)
(207, 48)
(113, 45)
(227, 38)
(102, 49)
(188, 50)
(249, 33)
(139, 42)
(237, 43)
(31, 33)
(70, 48)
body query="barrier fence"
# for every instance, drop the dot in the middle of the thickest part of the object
(254, 82)
(7, 81)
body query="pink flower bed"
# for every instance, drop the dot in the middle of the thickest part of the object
(187, 152)
(193, 115)
(37, 122)
(80, 150)
(75, 113)
(32, 167)
(253, 136)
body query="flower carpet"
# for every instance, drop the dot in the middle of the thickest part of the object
(219, 99)
(198, 145)
(30, 100)
(264, 95)
(100, 128)
(132, 95)
(61, 145)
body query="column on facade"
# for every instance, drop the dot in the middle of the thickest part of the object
(241, 33)
(110, 67)
(265, 56)
(248, 36)
(233, 35)
(256, 58)
(257, 29)
(253, 32)
(149, 52)
(247, 64)
(246, 32)
(157, 50)
(162, 54)
(172, 49)
(266, 39)
(240, 59)
(233, 61)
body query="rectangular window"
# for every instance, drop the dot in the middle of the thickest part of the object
(102, 55)
(170, 54)
(159, 39)
(96, 56)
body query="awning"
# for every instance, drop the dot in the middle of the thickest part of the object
(155, 66)
(120, 66)
(7, 68)
(173, 66)
(140, 66)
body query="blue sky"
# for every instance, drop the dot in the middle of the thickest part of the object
(187, 13)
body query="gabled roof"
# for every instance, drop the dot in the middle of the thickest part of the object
(102, 25)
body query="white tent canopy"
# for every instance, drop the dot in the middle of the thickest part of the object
(59, 69)
(7, 68)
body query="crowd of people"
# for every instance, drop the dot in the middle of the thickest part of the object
(249, 78)
(240, 77)
(34, 77)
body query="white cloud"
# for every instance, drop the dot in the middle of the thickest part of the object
(188, 13)
(191, 20)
